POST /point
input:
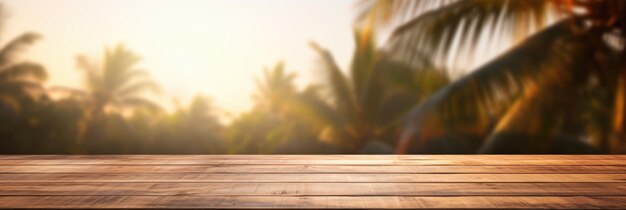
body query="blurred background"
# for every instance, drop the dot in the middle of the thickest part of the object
(312, 77)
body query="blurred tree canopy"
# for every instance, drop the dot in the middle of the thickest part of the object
(559, 88)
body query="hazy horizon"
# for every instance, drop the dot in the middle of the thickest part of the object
(215, 48)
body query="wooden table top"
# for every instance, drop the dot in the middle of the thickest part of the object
(313, 181)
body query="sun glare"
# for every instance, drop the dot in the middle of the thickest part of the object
(190, 47)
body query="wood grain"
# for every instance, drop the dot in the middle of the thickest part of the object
(316, 202)
(308, 178)
(315, 189)
(313, 181)
(305, 169)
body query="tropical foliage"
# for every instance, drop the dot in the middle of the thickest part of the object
(20, 80)
(115, 83)
(276, 124)
(366, 104)
(557, 90)
(557, 85)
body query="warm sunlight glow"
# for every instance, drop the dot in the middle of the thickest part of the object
(312, 77)
(192, 46)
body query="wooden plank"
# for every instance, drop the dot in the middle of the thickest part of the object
(298, 178)
(245, 169)
(373, 162)
(315, 202)
(312, 157)
(310, 181)
(316, 189)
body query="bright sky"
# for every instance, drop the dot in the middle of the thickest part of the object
(213, 47)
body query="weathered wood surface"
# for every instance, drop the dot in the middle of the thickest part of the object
(313, 181)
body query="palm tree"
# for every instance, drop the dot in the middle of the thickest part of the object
(115, 83)
(276, 88)
(279, 121)
(367, 104)
(18, 78)
(564, 78)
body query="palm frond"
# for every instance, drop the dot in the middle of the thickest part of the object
(277, 79)
(275, 87)
(532, 123)
(480, 95)
(342, 93)
(93, 78)
(363, 69)
(505, 76)
(404, 88)
(317, 110)
(8, 52)
(115, 82)
(117, 65)
(434, 31)
(24, 70)
(389, 13)
(528, 125)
